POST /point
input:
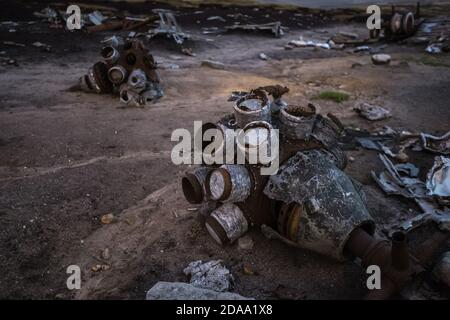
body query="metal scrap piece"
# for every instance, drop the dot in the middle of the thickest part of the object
(211, 275)
(438, 178)
(436, 144)
(168, 26)
(335, 205)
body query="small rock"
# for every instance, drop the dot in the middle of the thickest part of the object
(96, 268)
(381, 58)
(107, 218)
(185, 291)
(263, 56)
(106, 254)
(248, 271)
(441, 271)
(188, 52)
(245, 243)
(212, 64)
(351, 159)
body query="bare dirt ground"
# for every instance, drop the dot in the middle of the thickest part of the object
(67, 158)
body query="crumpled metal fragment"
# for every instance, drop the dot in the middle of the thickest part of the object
(438, 180)
(372, 112)
(211, 275)
(392, 181)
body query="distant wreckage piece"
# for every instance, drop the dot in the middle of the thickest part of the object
(126, 68)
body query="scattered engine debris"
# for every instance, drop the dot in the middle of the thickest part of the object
(274, 27)
(210, 275)
(310, 202)
(127, 68)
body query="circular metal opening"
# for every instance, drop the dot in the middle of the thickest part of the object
(107, 52)
(116, 74)
(192, 189)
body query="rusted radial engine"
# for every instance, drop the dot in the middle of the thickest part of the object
(309, 203)
(127, 68)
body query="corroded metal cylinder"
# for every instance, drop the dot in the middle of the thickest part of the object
(229, 183)
(396, 23)
(408, 23)
(227, 223)
(225, 147)
(129, 96)
(117, 74)
(255, 142)
(322, 205)
(297, 122)
(110, 54)
(137, 80)
(193, 185)
(252, 107)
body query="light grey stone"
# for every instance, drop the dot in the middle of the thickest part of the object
(185, 291)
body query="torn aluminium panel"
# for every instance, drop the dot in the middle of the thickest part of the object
(436, 144)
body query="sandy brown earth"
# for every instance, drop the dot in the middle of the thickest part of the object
(67, 158)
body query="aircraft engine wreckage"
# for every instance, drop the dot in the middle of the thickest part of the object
(309, 203)
(126, 68)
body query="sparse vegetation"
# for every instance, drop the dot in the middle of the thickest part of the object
(435, 61)
(336, 96)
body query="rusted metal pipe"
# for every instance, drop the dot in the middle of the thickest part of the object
(296, 122)
(227, 223)
(252, 107)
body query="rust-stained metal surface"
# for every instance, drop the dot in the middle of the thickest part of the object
(331, 205)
